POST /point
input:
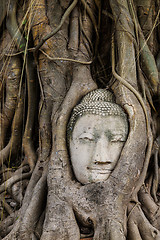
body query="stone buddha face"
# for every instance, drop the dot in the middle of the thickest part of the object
(96, 141)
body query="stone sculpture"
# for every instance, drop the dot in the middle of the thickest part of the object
(96, 133)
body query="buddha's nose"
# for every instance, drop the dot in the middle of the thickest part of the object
(102, 154)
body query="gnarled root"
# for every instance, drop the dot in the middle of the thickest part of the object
(15, 140)
(109, 229)
(32, 103)
(59, 226)
(17, 176)
(138, 225)
(34, 209)
(150, 208)
(7, 224)
(12, 77)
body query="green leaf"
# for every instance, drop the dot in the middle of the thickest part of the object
(22, 45)
(24, 22)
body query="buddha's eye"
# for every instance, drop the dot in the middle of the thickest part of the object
(117, 138)
(86, 137)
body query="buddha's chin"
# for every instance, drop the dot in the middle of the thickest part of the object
(97, 176)
(101, 176)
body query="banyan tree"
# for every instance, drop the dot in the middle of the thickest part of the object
(52, 53)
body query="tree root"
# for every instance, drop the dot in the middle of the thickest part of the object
(31, 83)
(15, 140)
(149, 134)
(150, 208)
(18, 175)
(44, 152)
(90, 48)
(65, 59)
(3, 11)
(39, 226)
(109, 229)
(66, 14)
(33, 204)
(32, 103)
(149, 64)
(5, 204)
(74, 31)
(12, 26)
(60, 227)
(18, 190)
(129, 86)
(34, 209)
(139, 227)
(91, 15)
(12, 86)
(7, 224)
(155, 174)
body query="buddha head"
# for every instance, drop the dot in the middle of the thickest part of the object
(97, 132)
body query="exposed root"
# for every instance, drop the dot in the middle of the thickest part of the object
(39, 226)
(66, 59)
(129, 86)
(36, 192)
(149, 134)
(4, 153)
(66, 14)
(45, 133)
(74, 31)
(139, 227)
(15, 140)
(17, 176)
(12, 77)
(90, 48)
(12, 25)
(32, 103)
(91, 15)
(7, 224)
(150, 208)
(31, 83)
(6, 205)
(18, 190)
(35, 208)
(155, 174)
(149, 64)
(3, 11)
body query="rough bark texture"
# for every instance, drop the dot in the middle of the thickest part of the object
(52, 54)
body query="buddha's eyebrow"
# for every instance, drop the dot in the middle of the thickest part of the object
(114, 133)
(83, 131)
(87, 130)
(118, 133)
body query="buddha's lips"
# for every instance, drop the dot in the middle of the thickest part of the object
(99, 169)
